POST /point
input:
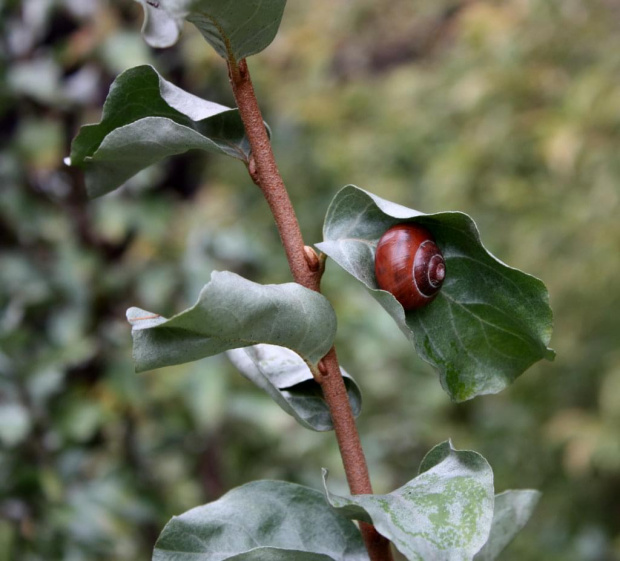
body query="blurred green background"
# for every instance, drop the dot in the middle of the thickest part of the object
(507, 110)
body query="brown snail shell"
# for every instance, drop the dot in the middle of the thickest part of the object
(409, 264)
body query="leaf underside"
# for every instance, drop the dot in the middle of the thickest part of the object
(512, 511)
(235, 29)
(489, 323)
(146, 119)
(289, 382)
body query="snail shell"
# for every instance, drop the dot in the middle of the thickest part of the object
(409, 264)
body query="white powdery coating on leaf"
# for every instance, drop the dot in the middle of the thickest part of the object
(444, 514)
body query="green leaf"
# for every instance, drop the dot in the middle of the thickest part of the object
(444, 514)
(235, 30)
(15, 424)
(262, 521)
(146, 119)
(512, 511)
(289, 382)
(233, 312)
(488, 324)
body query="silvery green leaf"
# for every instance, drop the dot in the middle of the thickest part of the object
(262, 521)
(235, 30)
(512, 511)
(161, 28)
(288, 380)
(146, 119)
(443, 514)
(233, 312)
(489, 322)
(275, 554)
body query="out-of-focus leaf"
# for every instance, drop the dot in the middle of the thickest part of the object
(262, 521)
(512, 511)
(15, 423)
(444, 514)
(124, 50)
(145, 119)
(40, 143)
(39, 78)
(80, 420)
(234, 29)
(489, 322)
(233, 312)
(288, 380)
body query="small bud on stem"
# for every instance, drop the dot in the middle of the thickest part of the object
(312, 259)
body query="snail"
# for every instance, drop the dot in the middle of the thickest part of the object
(409, 265)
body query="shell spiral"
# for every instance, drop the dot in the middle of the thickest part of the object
(410, 265)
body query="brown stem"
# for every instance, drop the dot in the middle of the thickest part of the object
(264, 172)
(344, 426)
(351, 451)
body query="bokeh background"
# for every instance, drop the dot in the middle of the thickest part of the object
(508, 110)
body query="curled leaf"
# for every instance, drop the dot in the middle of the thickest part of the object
(488, 324)
(233, 312)
(443, 514)
(146, 119)
(161, 28)
(512, 511)
(288, 380)
(235, 30)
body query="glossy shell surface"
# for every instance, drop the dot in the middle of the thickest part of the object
(409, 264)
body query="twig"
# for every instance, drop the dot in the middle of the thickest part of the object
(307, 272)
(264, 172)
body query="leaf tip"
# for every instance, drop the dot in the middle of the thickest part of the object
(159, 29)
(141, 319)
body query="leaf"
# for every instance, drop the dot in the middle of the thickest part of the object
(262, 521)
(15, 424)
(289, 382)
(146, 119)
(233, 312)
(512, 511)
(160, 29)
(444, 514)
(235, 30)
(274, 554)
(488, 324)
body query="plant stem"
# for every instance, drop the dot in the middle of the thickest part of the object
(351, 451)
(264, 172)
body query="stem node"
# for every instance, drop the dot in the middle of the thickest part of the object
(312, 259)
